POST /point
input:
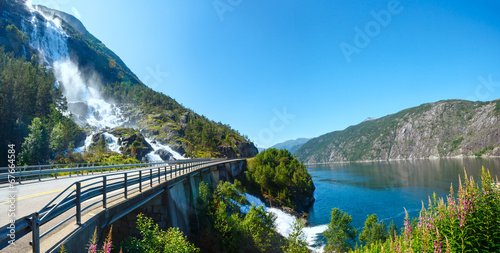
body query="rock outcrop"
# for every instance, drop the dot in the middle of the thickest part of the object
(451, 128)
(165, 155)
(247, 149)
(135, 141)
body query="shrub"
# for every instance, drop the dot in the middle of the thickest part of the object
(155, 240)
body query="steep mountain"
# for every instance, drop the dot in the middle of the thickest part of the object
(291, 145)
(100, 93)
(448, 128)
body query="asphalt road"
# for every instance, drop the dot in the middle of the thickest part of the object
(31, 196)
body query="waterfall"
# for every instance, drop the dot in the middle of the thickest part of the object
(284, 222)
(85, 102)
(152, 157)
(85, 146)
(112, 142)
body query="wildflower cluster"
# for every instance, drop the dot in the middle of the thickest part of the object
(106, 247)
(467, 222)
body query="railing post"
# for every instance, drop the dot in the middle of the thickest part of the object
(20, 172)
(35, 234)
(151, 177)
(125, 181)
(39, 173)
(159, 175)
(56, 171)
(140, 180)
(78, 203)
(104, 192)
(165, 173)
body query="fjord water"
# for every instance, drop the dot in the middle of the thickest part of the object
(386, 188)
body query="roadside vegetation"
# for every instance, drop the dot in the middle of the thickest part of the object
(223, 228)
(466, 221)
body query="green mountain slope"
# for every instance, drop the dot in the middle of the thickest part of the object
(156, 115)
(443, 129)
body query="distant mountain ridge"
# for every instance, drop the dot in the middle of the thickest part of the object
(291, 145)
(447, 128)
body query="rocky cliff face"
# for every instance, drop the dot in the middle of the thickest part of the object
(443, 129)
(245, 150)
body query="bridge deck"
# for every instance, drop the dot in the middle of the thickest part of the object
(32, 196)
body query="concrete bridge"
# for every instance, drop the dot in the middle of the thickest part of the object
(164, 192)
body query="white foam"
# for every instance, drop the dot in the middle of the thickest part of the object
(255, 201)
(157, 146)
(152, 157)
(313, 236)
(85, 146)
(284, 223)
(112, 142)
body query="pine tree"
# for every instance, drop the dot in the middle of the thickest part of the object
(32, 149)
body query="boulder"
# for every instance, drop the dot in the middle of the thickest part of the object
(80, 137)
(142, 147)
(178, 149)
(96, 137)
(227, 152)
(247, 149)
(165, 155)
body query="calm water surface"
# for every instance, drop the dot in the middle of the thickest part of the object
(386, 188)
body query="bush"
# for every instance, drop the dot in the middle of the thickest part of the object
(155, 240)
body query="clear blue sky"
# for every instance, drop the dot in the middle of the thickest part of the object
(268, 56)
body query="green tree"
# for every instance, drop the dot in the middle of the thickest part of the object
(57, 138)
(340, 234)
(296, 241)
(259, 225)
(227, 227)
(33, 146)
(278, 175)
(373, 231)
(392, 229)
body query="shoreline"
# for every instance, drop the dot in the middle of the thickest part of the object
(407, 160)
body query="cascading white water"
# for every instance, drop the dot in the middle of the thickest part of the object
(284, 222)
(152, 157)
(112, 142)
(84, 100)
(85, 146)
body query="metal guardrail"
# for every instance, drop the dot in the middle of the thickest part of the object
(34, 172)
(96, 191)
